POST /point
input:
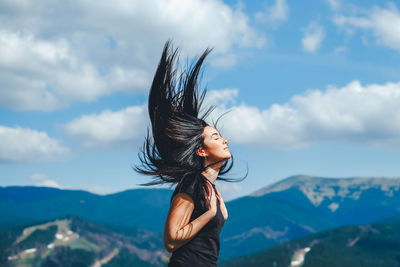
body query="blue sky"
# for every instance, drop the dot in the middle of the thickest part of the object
(313, 87)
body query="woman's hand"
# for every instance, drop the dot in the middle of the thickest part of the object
(211, 200)
(224, 211)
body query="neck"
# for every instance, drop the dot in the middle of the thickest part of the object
(211, 173)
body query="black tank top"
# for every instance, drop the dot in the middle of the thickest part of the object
(203, 249)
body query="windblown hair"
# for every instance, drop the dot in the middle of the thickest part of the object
(169, 154)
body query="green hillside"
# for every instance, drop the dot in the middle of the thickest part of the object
(71, 241)
(362, 245)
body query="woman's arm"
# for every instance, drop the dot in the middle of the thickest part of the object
(178, 230)
(224, 211)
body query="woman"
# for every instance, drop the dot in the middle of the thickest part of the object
(186, 151)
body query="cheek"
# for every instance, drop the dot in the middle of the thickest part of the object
(214, 147)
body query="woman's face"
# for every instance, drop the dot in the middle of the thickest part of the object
(215, 147)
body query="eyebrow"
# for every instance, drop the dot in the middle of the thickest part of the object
(214, 133)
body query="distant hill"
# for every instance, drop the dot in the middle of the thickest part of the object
(257, 223)
(143, 208)
(367, 245)
(345, 201)
(71, 241)
(302, 205)
(289, 209)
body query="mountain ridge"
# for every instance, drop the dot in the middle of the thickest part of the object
(307, 182)
(293, 208)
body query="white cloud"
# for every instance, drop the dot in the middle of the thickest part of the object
(42, 180)
(354, 113)
(313, 36)
(49, 183)
(42, 75)
(129, 124)
(334, 4)
(275, 14)
(221, 98)
(110, 127)
(25, 145)
(90, 50)
(366, 114)
(384, 23)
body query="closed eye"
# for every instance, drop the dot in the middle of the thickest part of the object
(215, 135)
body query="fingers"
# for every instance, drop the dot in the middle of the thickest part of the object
(213, 192)
(218, 194)
(211, 195)
(216, 190)
(210, 190)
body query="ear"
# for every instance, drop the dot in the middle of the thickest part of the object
(201, 152)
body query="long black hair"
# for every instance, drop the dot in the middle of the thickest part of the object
(169, 153)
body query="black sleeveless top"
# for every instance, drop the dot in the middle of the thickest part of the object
(203, 249)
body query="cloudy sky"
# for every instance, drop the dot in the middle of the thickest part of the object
(313, 87)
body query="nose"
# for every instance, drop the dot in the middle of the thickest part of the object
(225, 141)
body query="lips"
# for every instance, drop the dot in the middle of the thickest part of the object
(226, 148)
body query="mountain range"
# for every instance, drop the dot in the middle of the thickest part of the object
(143, 208)
(290, 209)
(368, 245)
(302, 205)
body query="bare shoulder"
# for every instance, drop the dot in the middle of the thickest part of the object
(182, 200)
